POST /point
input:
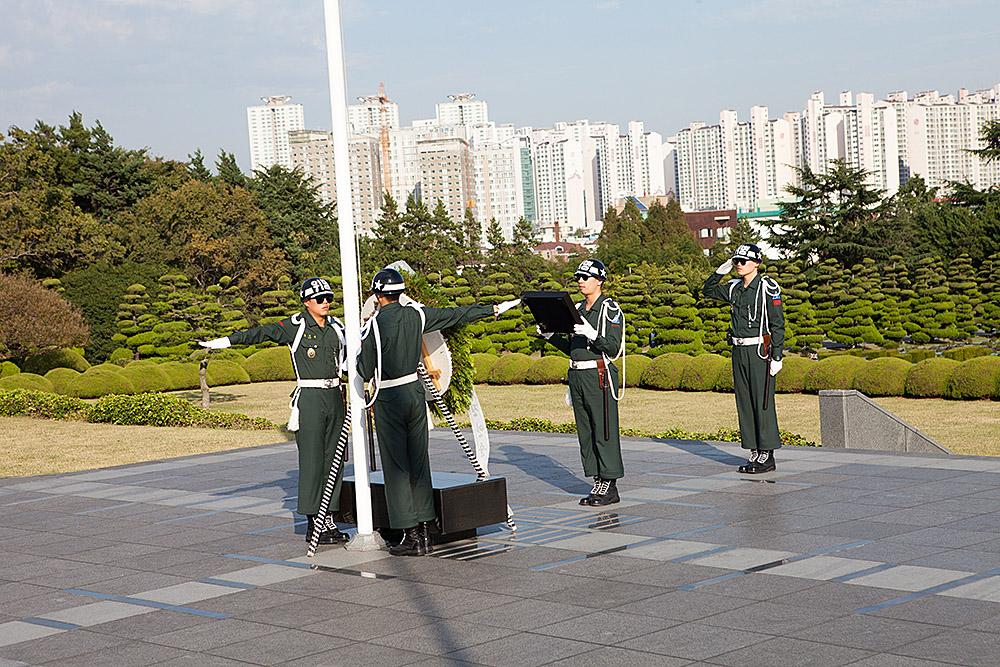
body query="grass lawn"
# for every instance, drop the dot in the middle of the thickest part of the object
(31, 446)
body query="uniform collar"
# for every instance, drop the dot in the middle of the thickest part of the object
(311, 321)
(753, 283)
(597, 303)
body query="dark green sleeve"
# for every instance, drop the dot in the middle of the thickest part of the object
(282, 332)
(715, 289)
(560, 342)
(445, 318)
(367, 356)
(776, 319)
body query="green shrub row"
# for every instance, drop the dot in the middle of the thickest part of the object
(124, 410)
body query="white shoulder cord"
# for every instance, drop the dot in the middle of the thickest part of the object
(605, 318)
(765, 292)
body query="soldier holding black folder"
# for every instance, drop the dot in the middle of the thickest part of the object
(593, 382)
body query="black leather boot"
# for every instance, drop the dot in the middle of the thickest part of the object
(334, 532)
(607, 493)
(324, 536)
(590, 496)
(751, 462)
(765, 462)
(410, 546)
(424, 530)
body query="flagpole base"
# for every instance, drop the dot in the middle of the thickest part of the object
(369, 542)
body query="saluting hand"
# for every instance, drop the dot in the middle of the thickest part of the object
(725, 267)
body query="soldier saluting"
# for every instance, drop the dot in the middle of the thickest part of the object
(757, 334)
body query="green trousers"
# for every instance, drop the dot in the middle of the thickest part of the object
(758, 427)
(601, 457)
(401, 425)
(321, 416)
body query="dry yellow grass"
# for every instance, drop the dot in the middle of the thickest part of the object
(32, 447)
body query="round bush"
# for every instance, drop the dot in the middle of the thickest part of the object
(181, 374)
(483, 362)
(229, 354)
(269, 365)
(147, 378)
(121, 356)
(832, 373)
(44, 363)
(975, 378)
(26, 381)
(106, 367)
(702, 372)
(724, 383)
(665, 371)
(223, 371)
(791, 378)
(98, 381)
(929, 378)
(8, 368)
(547, 370)
(885, 376)
(61, 378)
(635, 365)
(510, 369)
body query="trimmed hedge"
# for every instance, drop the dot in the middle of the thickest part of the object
(269, 365)
(223, 371)
(44, 363)
(724, 383)
(791, 379)
(181, 374)
(510, 369)
(229, 354)
(665, 371)
(61, 378)
(885, 376)
(967, 352)
(635, 365)
(147, 377)
(482, 362)
(702, 372)
(164, 410)
(929, 378)
(44, 405)
(99, 381)
(976, 378)
(32, 381)
(547, 370)
(832, 373)
(8, 368)
(121, 356)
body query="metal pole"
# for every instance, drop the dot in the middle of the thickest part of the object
(365, 540)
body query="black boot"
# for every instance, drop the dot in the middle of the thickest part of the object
(607, 493)
(324, 536)
(751, 462)
(424, 532)
(765, 462)
(410, 546)
(334, 532)
(590, 496)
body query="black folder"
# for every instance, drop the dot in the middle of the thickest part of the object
(554, 312)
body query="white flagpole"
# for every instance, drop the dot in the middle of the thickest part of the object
(365, 540)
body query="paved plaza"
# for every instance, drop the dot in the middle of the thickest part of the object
(839, 558)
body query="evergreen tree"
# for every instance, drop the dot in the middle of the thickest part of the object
(196, 166)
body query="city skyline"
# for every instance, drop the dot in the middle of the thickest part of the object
(178, 76)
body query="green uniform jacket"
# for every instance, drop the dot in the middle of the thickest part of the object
(746, 306)
(320, 351)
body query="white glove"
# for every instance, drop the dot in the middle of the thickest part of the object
(544, 334)
(775, 367)
(507, 305)
(585, 329)
(217, 344)
(725, 267)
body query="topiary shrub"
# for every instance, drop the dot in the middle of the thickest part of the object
(791, 379)
(223, 371)
(229, 354)
(121, 356)
(929, 378)
(269, 365)
(885, 376)
(147, 377)
(967, 352)
(181, 374)
(724, 383)
(483, 362)
(702, 372)
(665, 371)
(832, 373)
(635, 365)
(32, 403)
(916, 356)
(99, 381)
(61, 378)
(44, 363)
(510, 369)
(8, 368)
(975, 378)
(547, 370)
(32, 381)
(106, 367)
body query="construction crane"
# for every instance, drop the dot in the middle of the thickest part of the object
(384, 119)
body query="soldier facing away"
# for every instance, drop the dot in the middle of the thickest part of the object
(316, 340)
(757, 333)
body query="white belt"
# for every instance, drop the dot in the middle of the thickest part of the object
(328, 383)
(395, 382)
(756, 340)
(581, 365)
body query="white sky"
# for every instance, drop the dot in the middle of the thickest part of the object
(176, 75)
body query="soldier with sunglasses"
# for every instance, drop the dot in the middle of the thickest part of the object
(757, 334)
(317, 343)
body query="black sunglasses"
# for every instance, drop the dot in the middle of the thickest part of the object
(324, 298)
(741, 262)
